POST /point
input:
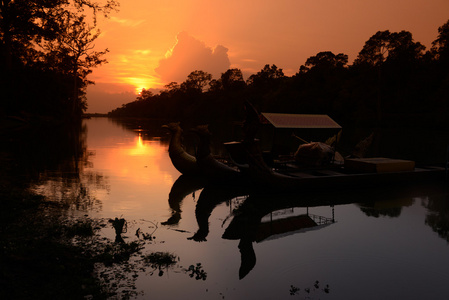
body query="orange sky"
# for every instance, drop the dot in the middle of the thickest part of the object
(154, 42)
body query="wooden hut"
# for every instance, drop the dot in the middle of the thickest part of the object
(280, 131)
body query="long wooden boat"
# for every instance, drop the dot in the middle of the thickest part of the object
(341, 178)
(203, 163)
(254, 171)
(353, 174)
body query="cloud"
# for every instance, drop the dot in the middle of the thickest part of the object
(127, 22)
(190, 54)
(142, 52)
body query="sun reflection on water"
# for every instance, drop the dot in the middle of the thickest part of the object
(140, 148)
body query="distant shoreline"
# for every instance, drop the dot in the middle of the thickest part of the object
(96, 115)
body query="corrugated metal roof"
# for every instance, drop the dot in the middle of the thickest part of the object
(300, 121)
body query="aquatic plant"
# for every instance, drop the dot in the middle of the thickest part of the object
(119, 225)
(196, 271)
(159, 260)
(294, 290)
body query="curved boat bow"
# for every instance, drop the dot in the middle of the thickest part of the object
(182, 161)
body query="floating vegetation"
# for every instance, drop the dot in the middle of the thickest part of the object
(317, 288)
(119, 225)
(100, 267)
(294, 290)
(147, 236)
(118, 252)
(162, 259)
(196, 271)
(159, 261)
(119, 266)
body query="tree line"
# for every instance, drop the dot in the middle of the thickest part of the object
(46, 52)
(394, 81)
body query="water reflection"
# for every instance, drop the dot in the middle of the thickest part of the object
(257, 217)
(392, 208)
(261, 217)
(78, 191)
(73, 182)
(211, 197)
(38, 149)
(268, 240)
(182, 187)
(55, 162)
(249, 223)
(438, 214)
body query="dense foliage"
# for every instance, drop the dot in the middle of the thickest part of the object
(46, 52)
(393, 81)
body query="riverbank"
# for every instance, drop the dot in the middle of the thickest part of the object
(45, 251)
(37, 257)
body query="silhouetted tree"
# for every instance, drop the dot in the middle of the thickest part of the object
(325, 60)
(74, 47)
(171, 89)
(41, 39)
(398, 51)
(389, 45)
(437, 75)
(267, 76)
(196, 81)
(440, 47)
(144, 95)
(231, 80)
(390, 70)
(263, 85)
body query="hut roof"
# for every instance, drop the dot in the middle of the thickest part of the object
(300, 121)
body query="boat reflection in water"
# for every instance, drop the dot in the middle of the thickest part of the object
(211, 196)
(182, 187)
(257, 217)
(267, 217)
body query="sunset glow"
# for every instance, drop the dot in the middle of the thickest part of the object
(153, 43)
(143, 148)
(139, 83)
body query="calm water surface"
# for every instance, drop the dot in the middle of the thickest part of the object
(379, 245)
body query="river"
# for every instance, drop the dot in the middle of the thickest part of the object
(378, 245)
